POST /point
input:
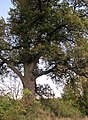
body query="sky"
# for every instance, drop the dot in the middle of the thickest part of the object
(4, 8)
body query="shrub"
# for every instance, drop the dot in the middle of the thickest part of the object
(45, 109)
(61, 108)
(17, 110)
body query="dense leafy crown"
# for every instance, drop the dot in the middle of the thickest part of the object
(46, 30)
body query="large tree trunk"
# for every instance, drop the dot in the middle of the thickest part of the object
(30, 84)
(29, 80)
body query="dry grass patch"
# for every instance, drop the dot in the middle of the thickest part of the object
(86, 118)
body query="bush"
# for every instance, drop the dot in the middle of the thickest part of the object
(61, 108)
(17, 110)
(45, 109)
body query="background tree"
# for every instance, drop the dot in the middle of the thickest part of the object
(72, 90)
(84, 96)
(76, 90)
(50, 31)
(12, 88)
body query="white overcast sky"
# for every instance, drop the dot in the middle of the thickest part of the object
(4, 8)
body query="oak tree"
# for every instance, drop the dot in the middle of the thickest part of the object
(48, 32)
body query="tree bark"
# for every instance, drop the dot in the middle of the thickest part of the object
(29, 83)
(29, 80)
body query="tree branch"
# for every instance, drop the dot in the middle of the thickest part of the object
(54, 30)
(80, 74)
(13, 47)
(34, 61)
(16, 71)
(40, 8)
(11, 65)
(47, 71)
(74, 69)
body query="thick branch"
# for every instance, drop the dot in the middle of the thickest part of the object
(16, 71)
(47, 71)
(11, 65)
(34, 61)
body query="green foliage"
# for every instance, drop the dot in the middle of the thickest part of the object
(10, 109)
(26, 92)
(83, 102)
(40, 28)
(76, 90)
(4, 105)
(61, 108)
(55, 33)
(43, 109)
(46, 30)
(17, 110)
